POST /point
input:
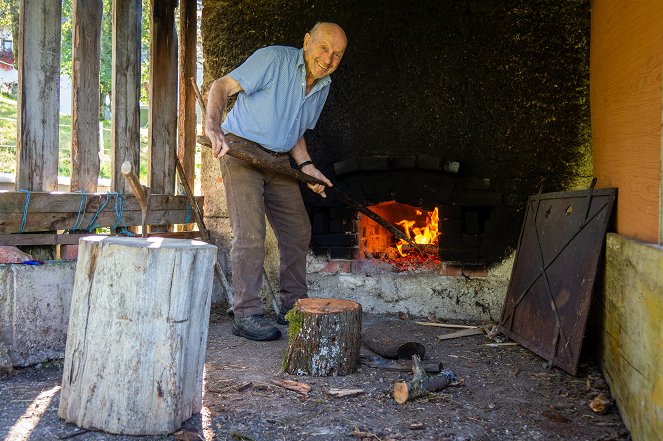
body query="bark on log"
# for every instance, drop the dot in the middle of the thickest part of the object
(421, 384)
(389, 346)
(137, 334)
(325, 336)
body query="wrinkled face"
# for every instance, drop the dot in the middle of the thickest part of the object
(323, 50)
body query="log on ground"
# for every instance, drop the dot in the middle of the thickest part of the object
(137, 334)
(389, 346)
(421, 383)
(325, 336)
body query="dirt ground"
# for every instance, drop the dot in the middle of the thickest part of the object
(507, 393)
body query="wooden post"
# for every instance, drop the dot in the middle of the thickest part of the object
(125, 104)
(162, 120)
(86, 53)
(325, 336)
(137, 334)
(37, 142)
(186, 124)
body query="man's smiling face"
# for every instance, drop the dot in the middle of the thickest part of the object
(323, 50)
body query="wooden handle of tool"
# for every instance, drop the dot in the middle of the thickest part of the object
(136, 187)
(266, 165)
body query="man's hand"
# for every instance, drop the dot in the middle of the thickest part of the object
(317, 188)
(219, 146)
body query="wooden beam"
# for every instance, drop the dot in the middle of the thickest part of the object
(125, 119)
(186, 124)
(162, 118)
(39, 239)
(86, 53)
(38, 95)
(50, 212)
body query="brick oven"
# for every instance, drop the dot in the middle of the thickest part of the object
(400, 189)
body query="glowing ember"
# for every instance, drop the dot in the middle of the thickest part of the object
(426, 235)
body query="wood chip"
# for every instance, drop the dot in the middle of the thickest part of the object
(446, 325)
(417, 426)
(497, 345)
(340, 393)
(300, 388)
(462, 333)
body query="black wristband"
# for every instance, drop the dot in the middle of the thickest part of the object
(304, 164)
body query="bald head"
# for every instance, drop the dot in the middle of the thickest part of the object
(324, 46)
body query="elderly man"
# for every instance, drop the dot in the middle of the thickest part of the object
(282, 91)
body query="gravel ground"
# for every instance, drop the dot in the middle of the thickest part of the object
(507, 393)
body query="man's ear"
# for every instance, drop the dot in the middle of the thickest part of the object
(307, 39)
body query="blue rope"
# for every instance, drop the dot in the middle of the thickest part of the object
(81, 211)
(119, 213)
(21, 228)
(187, 206)
(91, 223)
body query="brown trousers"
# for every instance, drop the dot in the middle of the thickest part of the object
(252, 193)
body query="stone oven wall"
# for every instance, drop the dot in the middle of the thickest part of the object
(499, 87)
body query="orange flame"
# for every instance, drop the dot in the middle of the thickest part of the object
(423, 235)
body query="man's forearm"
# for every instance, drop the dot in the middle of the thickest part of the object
(217, 100)
(300, 152)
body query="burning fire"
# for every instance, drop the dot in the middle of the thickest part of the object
(426, 235)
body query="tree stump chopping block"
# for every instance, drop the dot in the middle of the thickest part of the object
(325, 336)
(137, 334)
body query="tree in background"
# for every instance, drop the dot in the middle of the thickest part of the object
(105, 71)
(9, 17)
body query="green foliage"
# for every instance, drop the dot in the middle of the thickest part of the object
(105, 71)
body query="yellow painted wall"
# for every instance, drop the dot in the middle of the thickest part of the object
(626, 63)
(631, 320)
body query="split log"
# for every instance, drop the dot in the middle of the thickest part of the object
(137, 334)
(421, 384)
(389, 346)
(325, 336)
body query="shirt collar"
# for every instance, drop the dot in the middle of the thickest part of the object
(302, 68)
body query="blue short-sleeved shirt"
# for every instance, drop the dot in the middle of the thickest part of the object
(274, 110)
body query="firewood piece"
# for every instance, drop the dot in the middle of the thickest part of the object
(300, 388)
(445, 325)
(391, 347)
(341, 393)
(375, 361)
(461, 333)
(421, 384)
(137, 333)
(325, 335)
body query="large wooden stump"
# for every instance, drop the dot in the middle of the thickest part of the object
(325, 336)
(137, 334)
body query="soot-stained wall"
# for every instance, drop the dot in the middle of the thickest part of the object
(499, 85)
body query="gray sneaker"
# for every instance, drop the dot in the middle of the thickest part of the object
(254, 327)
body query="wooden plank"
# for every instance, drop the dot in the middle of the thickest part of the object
(630, 317)
(125, 102)
(186, 124)
(31, 239)
(12, 202)
(40, 239)
(61, 211)
(626, 99)
(162, 120)
(86, 52)
(461, 333)
(38, 95)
